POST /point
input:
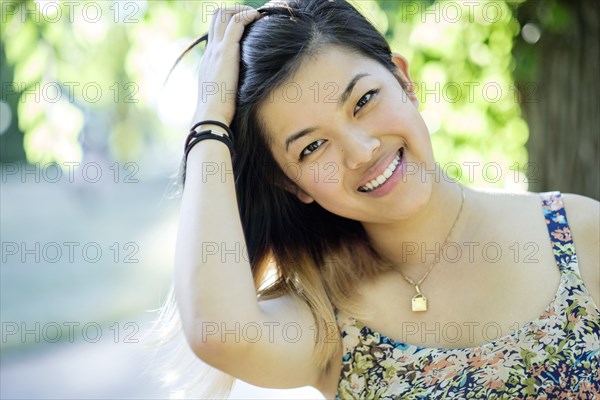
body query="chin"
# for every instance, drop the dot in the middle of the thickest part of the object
(411, 201)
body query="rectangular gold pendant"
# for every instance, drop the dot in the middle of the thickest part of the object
(419, 303)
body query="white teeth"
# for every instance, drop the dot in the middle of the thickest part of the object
(383, 177)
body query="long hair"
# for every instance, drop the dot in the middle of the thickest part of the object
(318, 256)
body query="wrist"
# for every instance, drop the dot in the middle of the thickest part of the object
(204, 116)
(208, 150)
(211, 130)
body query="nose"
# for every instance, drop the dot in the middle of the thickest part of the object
(358, 147)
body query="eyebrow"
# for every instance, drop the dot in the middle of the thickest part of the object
(340, 102)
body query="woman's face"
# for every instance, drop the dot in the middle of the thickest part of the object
(338, 125)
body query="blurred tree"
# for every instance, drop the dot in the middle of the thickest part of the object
(11, 138)
(558, 64)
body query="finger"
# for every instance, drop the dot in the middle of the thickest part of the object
(221, 19)
(237, 12)
(217, 18)
(235, 28)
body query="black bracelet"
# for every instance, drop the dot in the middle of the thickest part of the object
(217, 123)
(194, 134)
(203, 135)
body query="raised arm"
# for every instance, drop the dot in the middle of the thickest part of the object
(222, 320)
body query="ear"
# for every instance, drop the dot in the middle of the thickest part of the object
(297, 191)
(303, 196)
(404, 77)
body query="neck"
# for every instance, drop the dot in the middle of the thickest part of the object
(415, 241)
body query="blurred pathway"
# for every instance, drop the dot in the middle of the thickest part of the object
(102, 370)
(42, 291)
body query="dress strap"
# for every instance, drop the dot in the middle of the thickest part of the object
(559, 231)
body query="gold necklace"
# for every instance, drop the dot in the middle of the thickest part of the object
(419, 301)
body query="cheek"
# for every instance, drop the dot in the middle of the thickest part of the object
(398, 113)
(397, 107)
(390, 115)
(321, 179)
(293, 171)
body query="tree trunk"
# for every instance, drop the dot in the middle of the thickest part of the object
(562, 106)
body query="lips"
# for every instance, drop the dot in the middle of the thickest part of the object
(380, 177)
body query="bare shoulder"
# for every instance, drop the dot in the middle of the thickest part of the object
(583, 214)
(583, 209)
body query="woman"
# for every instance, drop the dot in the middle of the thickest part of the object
(335, 185)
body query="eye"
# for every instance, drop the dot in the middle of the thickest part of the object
(365, 99)
(310, 148)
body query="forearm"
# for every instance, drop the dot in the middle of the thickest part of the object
(211, 288)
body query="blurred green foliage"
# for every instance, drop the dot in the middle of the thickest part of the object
(459, 56)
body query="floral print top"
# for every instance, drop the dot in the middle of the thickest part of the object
(556, 356)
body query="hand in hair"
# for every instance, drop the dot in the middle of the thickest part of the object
(219, 68)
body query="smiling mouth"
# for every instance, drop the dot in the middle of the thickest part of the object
(381, 179)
